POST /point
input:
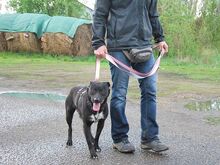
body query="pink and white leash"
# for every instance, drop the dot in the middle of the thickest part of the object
(97, 69)
(128, 69)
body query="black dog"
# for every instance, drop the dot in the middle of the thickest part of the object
(91, 104)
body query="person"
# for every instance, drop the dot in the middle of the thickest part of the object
(122, 25)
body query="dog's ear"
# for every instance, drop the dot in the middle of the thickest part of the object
(91, 82)
(108, 84)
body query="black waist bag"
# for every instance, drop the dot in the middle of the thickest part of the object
(138, 55)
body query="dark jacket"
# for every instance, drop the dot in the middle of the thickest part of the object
(129, 24)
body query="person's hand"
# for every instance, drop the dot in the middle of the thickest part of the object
(162, 47)
(101, 51)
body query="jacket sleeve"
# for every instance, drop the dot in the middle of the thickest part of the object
(155, 23)
(100, 17)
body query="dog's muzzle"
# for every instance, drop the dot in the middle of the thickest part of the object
(96, 104)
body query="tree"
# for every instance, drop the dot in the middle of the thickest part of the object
(51, 7)
(178, 21)
(211, 20)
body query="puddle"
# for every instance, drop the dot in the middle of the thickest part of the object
(35, 95)
(211, 105)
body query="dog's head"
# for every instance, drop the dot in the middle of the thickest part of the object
(98, 93)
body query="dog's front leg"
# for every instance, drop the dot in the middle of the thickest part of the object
(98, 132)
(69, 117)
(90, 139)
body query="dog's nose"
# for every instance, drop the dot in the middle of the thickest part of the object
(96, 100)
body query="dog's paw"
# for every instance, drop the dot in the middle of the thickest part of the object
(69, 143)
(98, 149)
(94, 156)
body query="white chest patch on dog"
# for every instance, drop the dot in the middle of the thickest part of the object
(96, 117)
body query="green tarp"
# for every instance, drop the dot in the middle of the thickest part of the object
(67, 25)
(34, 23)
(40, 23)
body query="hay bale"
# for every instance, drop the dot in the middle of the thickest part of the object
(3, 43)
(82, 40)
(59, 43)
(23, 42)
(56, 43)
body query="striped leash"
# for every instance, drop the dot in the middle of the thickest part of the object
(128, 69)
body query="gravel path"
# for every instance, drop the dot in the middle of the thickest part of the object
(34, 132)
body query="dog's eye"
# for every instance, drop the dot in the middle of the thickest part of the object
(92, 92)
(104, 91)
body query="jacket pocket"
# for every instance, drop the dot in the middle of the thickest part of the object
(146, 29)
(111, 28)
(115, 29)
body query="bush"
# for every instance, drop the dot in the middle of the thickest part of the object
(190, 38)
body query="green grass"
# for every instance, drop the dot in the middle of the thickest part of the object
(191, 70)
(15, 58)
(199, 71)
(213, 120)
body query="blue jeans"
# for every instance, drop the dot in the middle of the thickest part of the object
(148, 88)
